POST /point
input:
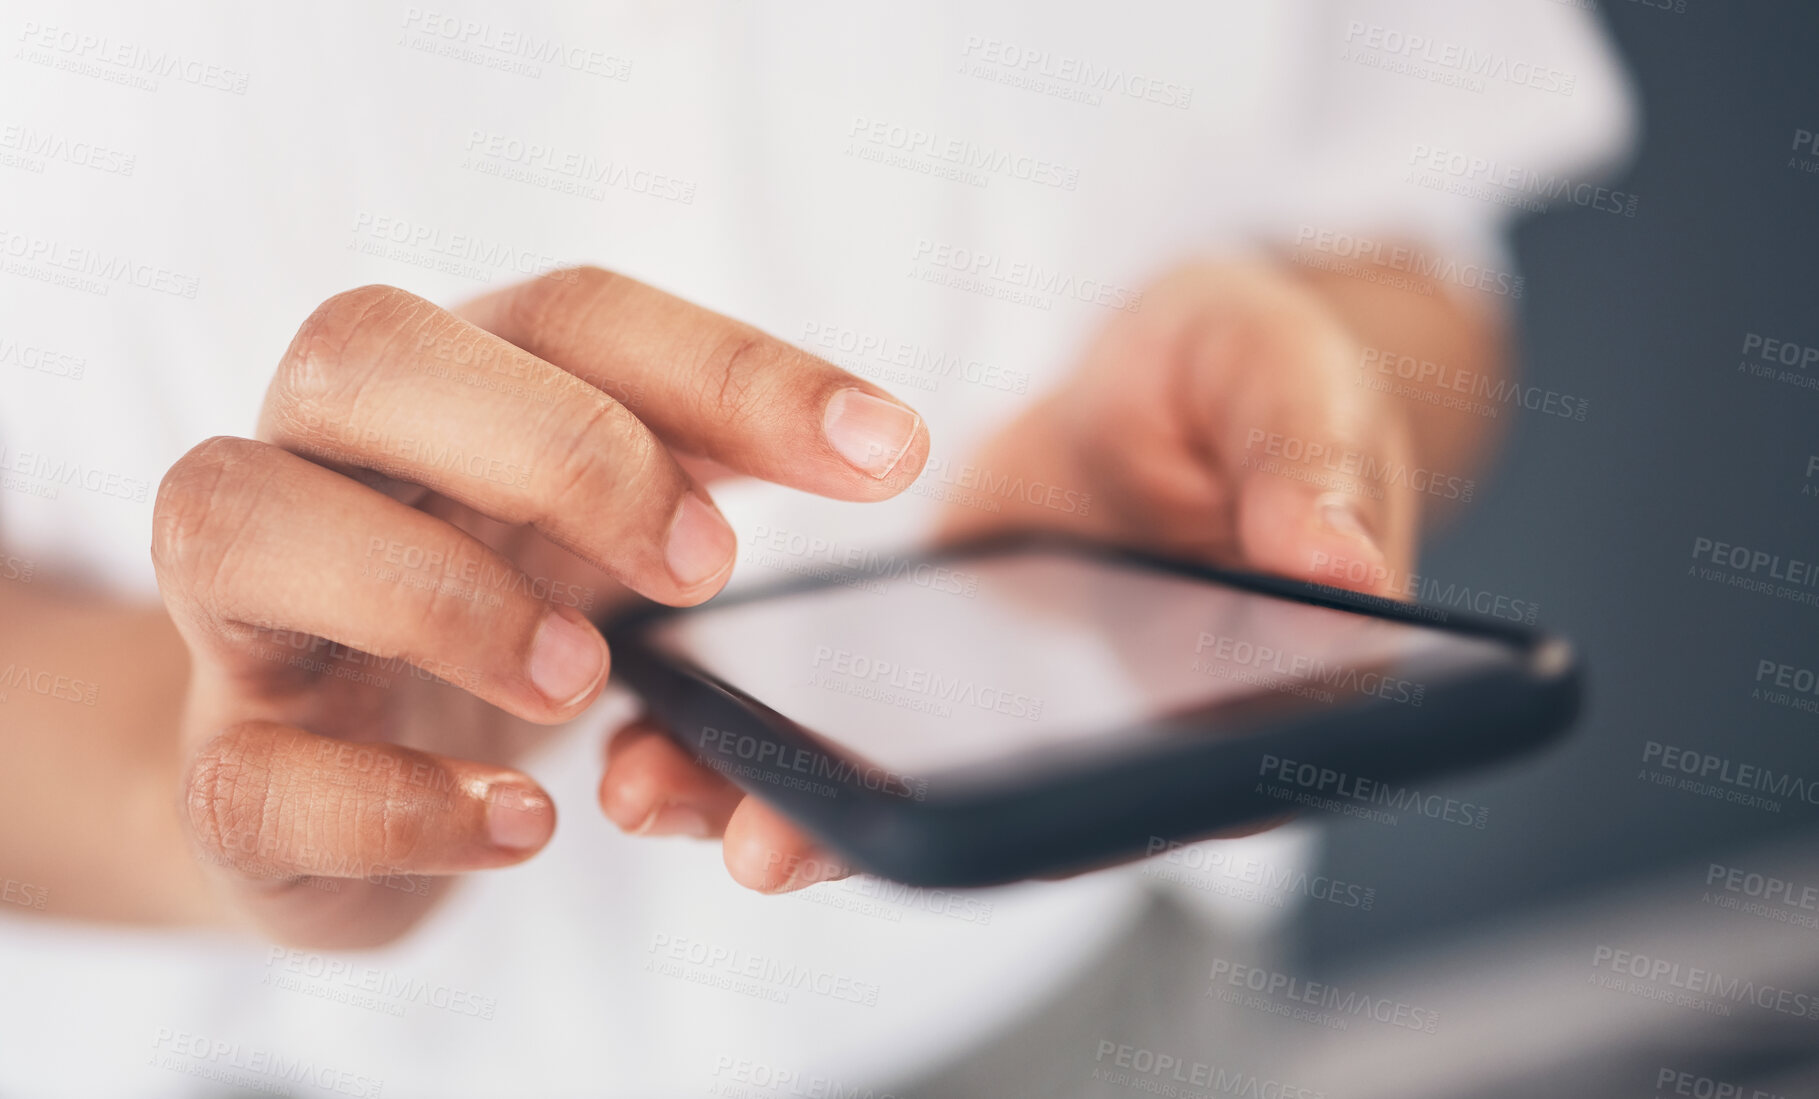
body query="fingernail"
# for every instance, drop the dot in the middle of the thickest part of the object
(700, 542)
(518, 818)
(567, 658)
(676, 820)
(1343, 516)
(870, 432)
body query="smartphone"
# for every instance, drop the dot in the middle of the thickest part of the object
(1031, 705)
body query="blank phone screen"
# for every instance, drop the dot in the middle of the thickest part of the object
(945, 665)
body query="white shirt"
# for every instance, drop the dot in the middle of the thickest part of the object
(900, 190)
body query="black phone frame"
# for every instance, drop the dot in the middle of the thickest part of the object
(990, 825)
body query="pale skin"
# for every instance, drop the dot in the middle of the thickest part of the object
(369, 608)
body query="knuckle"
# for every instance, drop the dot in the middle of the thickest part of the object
(585, 281)
(617, 460)
(548, 309)
(400, 825)
(227, 798)
(733, 367)
(445, 610)
(201, 500)
(338, 350)
(371, 807)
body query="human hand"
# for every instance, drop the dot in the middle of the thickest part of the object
(382, 596)
(1187, 429)
(1223, 422)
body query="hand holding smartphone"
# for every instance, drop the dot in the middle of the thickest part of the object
(1030, 706)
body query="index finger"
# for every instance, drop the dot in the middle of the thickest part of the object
(712, 386)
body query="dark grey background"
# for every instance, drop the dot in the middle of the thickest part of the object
(1595, 520)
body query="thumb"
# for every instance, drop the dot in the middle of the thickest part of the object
(1325, 499)
(1307, 532)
